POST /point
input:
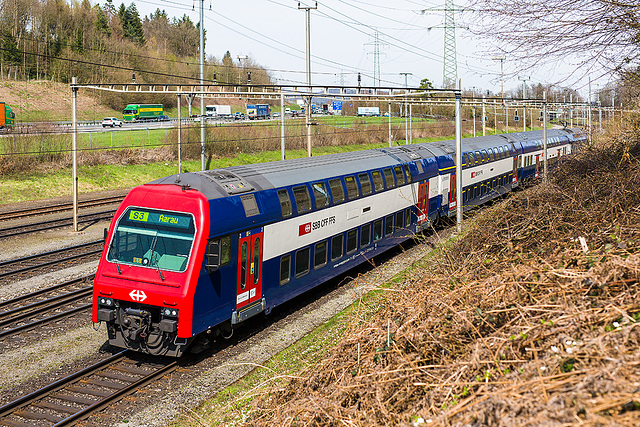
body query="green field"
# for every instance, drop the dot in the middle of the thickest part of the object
(40, 185)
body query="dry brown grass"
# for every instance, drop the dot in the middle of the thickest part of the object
(516, 323)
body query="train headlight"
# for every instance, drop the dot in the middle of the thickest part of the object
(170, 312)
(106, 302)
(169, 322)
(106, 309)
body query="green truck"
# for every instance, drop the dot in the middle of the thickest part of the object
(142, 112)
(7, 117)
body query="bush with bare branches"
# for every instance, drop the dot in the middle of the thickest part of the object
(531, 317)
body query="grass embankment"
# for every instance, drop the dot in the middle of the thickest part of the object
(53, 183)
(531, 317)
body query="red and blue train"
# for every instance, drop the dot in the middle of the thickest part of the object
(199, 253)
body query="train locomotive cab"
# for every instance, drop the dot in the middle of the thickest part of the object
(149, 269)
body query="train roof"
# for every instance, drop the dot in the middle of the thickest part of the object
(223, 182)
(261, 176)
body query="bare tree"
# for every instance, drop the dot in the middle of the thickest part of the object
(594, 34)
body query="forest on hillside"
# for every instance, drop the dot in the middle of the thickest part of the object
(105, 43)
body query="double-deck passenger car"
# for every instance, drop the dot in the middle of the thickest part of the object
(203, 251)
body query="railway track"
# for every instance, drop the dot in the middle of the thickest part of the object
(36, 309)
(21, 268)
(58, 207)
(83, 393)
(55, 223)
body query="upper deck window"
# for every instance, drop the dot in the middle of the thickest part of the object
(388, 177)
(478, 157)
(399, 175)
(153, 238)
(407, 172)
(378, 184)
(285, 203)
(352, 187)
(365, 183)
(320, 193)
(337, 190)
(303, 200)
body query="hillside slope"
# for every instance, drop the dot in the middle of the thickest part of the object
(49, 101)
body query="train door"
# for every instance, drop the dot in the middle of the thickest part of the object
(514, 180)
(452, 192)
(423, 202)
(537, 166)
(249, 282)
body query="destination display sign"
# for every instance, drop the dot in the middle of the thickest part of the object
(159, 218)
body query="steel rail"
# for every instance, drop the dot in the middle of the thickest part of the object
(44, 320)
(42, 306)
(58, 207)
(19, 407)
(54, 223)
(50, 262)
(55, 386)
(45, 290)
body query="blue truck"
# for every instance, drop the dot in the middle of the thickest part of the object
(258, 111)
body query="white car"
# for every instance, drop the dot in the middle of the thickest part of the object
(111, 121)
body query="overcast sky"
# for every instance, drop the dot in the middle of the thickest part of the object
(272, 32)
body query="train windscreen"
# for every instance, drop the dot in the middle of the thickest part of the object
(153, 238)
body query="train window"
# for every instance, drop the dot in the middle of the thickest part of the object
(320, 255)
(352, 187)
(302, 262)
(352, 240)
(244, 261)
(320, 194)
(285, 203)
(365, 235)
(492, 155)
(407, 173)
(465, 159)
(407, 217)
(388, 177)
(336, 247)
(419, 166)
(501, 152)
(218, 253)
(399, 175)
(377, 230)
(388, 225)
(337, 190)
(285, 269)
(485, 156)
(365, 183)
(378, 184)
(478, 156)
(399, 219)
(303, 201)
(257, 246)
(506, 150)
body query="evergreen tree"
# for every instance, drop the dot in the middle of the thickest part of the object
(78, 45)
(132, 25)
(10, 51)
(102, 22)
